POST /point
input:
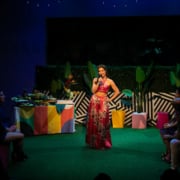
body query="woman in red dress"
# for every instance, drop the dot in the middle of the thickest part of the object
(98, 124)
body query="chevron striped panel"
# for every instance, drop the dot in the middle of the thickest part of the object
(161, 102)
(155, 102)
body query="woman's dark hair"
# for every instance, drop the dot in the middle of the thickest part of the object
(104, 67)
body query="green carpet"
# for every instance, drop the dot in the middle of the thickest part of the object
(135, 154)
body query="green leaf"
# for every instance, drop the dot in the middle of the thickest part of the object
(127, 92)
(178, 71)
(92, 69)
(87, 80)
(177, 82)
(140, 75)
(172, 78)
(67, 69)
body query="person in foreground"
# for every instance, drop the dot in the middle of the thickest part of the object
(170, 174)
(168, 131)
(175, 150)
(102, 176)
(9, 134)
(98, 122)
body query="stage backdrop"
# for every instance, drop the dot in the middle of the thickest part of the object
(158, 99)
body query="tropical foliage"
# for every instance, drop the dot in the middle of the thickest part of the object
(91, 73)
(175, 76)
(143, 81)
(67, 70)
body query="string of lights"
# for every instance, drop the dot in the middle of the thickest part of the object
(114, 4)
(39, 3)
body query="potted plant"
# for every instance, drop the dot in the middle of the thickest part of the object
(143, 82)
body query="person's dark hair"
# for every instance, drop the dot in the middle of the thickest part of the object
(170, 174)
(104, 67)
(102, 176)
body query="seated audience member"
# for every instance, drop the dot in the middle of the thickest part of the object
(102, 176)
(67, 86)
(8, 134)
(56, 87)
(69, 80)
(168, 131)
(3, 171)
(170, 174)
(175, 150)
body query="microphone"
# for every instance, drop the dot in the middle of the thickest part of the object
(99, 76)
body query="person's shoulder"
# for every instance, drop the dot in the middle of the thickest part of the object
(110, 80)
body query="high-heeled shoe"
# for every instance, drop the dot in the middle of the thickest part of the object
(108, 144)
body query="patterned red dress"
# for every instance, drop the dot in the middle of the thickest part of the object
(98, 123)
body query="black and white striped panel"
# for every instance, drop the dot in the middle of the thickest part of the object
(162, 103)
(117, 104)
(81, 101)
(77, 99)
(81, 111)
(155, 102)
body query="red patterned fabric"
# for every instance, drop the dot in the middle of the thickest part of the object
(103, 87)
(98, 124)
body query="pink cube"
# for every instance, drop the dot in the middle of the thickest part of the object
(139, 120)
(162, 118)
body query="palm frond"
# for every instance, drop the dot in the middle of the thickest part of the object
(87, 80)
(67, 69)
(172, 78)
(140, 75)
(92, 69)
